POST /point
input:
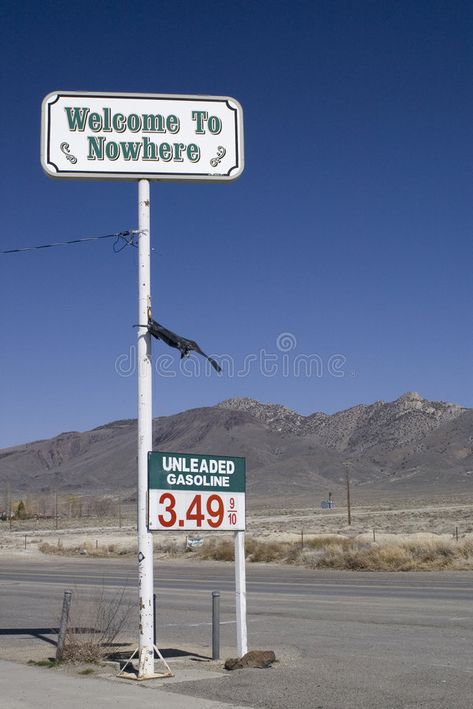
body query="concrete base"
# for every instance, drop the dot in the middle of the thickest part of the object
(133, 676)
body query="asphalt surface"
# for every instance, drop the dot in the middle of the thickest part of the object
(344, 640)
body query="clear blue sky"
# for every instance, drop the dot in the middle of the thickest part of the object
(350, 229)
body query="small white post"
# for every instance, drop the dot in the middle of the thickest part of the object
(145, 437)
(240, 587)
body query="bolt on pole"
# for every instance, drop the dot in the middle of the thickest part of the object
(145, 437)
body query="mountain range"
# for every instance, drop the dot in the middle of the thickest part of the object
(410, 447)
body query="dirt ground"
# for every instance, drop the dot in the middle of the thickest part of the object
(93, 535)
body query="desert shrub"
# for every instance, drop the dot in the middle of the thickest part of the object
(47, 548)
(88, 549)
(319, 551)
(398, 556)
(217, 549)
(255, 550)
(21, 510)
(172, 548)
(465, 549)
(324, 541)
(266, 551)
(95, 623)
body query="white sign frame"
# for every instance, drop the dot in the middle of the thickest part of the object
(224, 168)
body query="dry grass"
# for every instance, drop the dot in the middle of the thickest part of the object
(402, 556)
(170, 547)
(88, 549)
(110, 551)
(264, 551)
(335, 552)
(429, 555)
(389, 552)
(216, 549)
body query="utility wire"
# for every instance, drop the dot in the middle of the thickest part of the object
(122, 240)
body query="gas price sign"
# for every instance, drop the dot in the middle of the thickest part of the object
(190, 492)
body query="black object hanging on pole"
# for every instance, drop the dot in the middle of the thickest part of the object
(180, 343)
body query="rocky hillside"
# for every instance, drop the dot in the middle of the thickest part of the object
(410, 445)
(359, 429)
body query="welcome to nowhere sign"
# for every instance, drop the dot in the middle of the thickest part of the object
(149, 136)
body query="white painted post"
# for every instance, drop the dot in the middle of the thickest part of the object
(145, 437)
(240, 588)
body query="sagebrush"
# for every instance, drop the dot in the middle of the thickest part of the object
(96, 621)
(335, 552)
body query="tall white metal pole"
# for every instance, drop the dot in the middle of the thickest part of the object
(240, 588)
(145, 436)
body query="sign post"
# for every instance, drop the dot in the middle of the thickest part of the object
(142, 137)
(145, 437)
(240, 588)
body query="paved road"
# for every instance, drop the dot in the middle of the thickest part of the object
(345, 640)
(262, 578)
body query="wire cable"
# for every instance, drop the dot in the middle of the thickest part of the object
(125, 239)
(122, 240)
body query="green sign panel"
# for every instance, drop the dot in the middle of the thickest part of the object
(194, 472)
